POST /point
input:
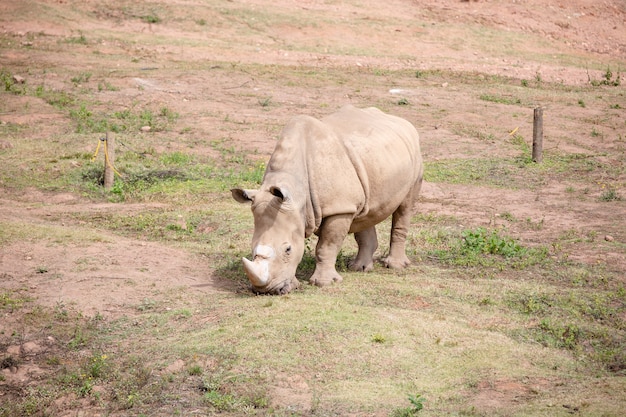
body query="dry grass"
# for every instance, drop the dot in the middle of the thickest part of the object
(473, 331)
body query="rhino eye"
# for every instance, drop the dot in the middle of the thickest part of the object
(288, 250)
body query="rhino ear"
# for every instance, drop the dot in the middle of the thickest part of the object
(279, 192)
(243, 196)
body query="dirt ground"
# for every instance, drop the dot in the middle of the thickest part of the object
(595, 28)
(94, 277)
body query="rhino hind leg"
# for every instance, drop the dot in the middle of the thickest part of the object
(332, 233)
(400, 223)
(368, 243)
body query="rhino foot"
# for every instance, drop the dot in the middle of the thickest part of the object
(322, 279)
(396, 263)
(358, 266)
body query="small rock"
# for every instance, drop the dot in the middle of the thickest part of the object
(5, 144)
(145, 128)
(609, 238)
(14, 350)
(31, 348)
(19, 79)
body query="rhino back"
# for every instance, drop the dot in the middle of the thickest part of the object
(384, 151)
(356, 161)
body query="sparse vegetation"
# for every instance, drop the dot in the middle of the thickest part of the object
(607, 79)
(403, 102)
(417, 404)
(480, 247)
(610, 194)
(151, 18)
(510, 292)
(500, 99)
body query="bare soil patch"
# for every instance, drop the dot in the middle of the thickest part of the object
(235, 78)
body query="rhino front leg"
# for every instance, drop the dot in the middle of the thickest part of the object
(368, 243)
(333, 231)
(400, 222)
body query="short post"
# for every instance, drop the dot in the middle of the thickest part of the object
(109, 160)
(538, 135)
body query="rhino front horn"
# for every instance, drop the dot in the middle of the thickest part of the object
(257, 272)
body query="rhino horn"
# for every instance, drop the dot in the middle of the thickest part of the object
(257, 272)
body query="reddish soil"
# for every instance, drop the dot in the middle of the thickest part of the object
(112, 276)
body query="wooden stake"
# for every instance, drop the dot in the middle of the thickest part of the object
(538, 135)
(109, 160)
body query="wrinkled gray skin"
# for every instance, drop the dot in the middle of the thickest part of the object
(342, 174)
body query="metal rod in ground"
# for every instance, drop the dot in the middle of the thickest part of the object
(109, 160)
(538, 135)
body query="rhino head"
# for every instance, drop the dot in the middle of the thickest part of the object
(277, 242)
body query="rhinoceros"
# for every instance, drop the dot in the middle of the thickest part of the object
(342, 174)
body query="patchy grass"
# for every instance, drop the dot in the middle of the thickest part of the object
(520, 172)
(479, 311)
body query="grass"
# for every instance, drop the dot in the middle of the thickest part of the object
(480, 306)
(489, 249)
(519, 172)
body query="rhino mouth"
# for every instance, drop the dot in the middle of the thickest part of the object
(281, 288)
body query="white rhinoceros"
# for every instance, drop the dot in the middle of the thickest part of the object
(342, 174)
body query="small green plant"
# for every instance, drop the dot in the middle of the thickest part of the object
(83, 77)
(378, 338)
(403, 102)
(97, 366)
(610, 195)
(220, 401)
(481, 241)
(508, 216)
(530, 304)
(147, 304)
(151, 18)
(106, 86)
(78, 340)
(607, 79)
(265, 102)
(560, 335)
(581, 103)
(80, 39)
(195, 370)
(10, 83)
(10, 301)
(417, 405)
(480, 247)
(168, 114)
(87, 122)
(417, 402)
